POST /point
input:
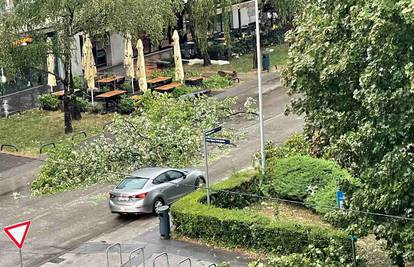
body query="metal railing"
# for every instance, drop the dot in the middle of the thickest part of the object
(184, 261)
(46, 145)
(8, 145)
(137, 252)
(120, 253)
(159, 256)
(80, 133)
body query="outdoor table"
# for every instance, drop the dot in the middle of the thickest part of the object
(111, 80)
(112, 96)
(153, 83)
(59, 94)
(168, 88)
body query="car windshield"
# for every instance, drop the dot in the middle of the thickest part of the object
(132, 183)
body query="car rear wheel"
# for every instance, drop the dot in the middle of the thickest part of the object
(200, 183)
(157, 203)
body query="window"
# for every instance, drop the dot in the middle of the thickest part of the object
(132, 183)
(174, 175)
(162, 178)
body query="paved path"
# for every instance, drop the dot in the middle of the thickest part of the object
(64, 222)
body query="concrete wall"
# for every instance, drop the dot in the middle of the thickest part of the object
(77, 58)
(117, 49)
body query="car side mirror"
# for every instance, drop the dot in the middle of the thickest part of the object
(184, 177)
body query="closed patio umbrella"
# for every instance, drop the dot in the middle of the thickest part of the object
(141, 74)
(129, 60)
(88, 64)
(179, 70)
(51, 78)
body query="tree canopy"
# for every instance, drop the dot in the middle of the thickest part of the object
(67, 18)
(351, 67)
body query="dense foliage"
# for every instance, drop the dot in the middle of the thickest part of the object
(164, 131)
(352, 68)
(48, 101)
(242, 228)
(313, 181)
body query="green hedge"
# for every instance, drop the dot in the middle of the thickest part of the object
(241, 228)
(296, 177)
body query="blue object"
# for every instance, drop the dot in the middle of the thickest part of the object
(340, 198)
(266, 61)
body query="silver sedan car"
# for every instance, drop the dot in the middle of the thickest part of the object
(149, 188)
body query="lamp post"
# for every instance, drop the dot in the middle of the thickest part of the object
(259, 85)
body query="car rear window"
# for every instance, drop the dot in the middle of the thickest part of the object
(132, 183)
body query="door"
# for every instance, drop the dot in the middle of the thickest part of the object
(177, 181)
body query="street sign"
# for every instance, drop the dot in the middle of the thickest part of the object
(17, 233)
(213, 131)
(218, 141)
(340, 199)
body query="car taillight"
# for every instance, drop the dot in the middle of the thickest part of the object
(140, 196)
(111, 195)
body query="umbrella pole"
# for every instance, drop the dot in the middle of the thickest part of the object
(132, 83)
(92, 96)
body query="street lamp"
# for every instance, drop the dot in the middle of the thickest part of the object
(259, 81)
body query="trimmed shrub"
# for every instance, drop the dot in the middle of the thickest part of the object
(217, 82)
(313, 181)
(242, 228)
(48, 102)
(126, 105)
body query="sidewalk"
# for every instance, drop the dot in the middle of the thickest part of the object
(93, 253)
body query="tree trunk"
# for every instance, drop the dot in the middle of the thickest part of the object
(67, 101)
(206, 58)
(76, 112)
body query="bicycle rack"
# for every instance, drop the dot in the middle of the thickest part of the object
(159, 256)
(136, 252)
(76, 134)
(120, 253)
(212, 265)
(106, 125)
(6, 145)
(46, 145)
(183, 261)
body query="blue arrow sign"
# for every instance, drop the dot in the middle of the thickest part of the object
(218, 141)
(215, 130)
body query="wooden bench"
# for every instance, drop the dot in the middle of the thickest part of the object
(153, 83)
(194, 81)
(111, 97)
(232, 76)
(59, 93)
(168, 88)
(112, 80)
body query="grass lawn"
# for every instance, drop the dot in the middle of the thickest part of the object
(245, 63)
(34, 128)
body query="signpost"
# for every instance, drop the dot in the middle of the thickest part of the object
(208, 139)
(340, 199)
(17, 233)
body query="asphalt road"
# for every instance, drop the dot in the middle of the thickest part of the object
(62, 222)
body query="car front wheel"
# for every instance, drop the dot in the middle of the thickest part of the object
(200, 183)
(157, 203)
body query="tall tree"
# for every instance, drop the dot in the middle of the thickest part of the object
(202, 15)
(71, 17)
(352, 68)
